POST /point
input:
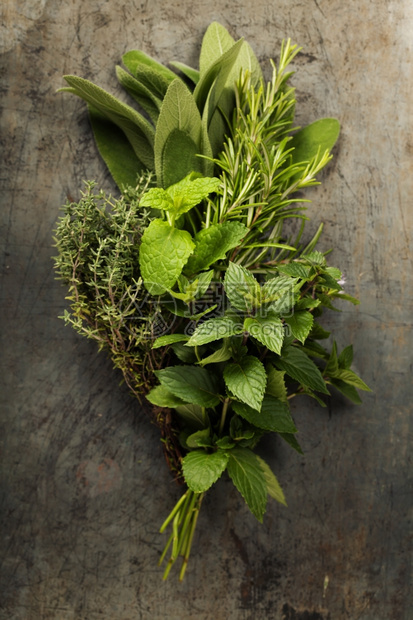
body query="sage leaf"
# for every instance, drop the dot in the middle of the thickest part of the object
(137, 129)
(136, 59)
(246, 380)
(248, 477)
(192, 74)
(163, 253)
(319, 136)
(193, 384)
(142, 95)
(178, 136)
(201, 469)
(115, 149)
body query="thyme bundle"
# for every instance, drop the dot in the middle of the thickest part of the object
(188, 279)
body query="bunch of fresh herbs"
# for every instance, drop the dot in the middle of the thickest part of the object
(189, 280)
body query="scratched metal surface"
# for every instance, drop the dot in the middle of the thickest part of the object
(84, 486)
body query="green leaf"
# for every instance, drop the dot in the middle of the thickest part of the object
(267, 329)
(194, 385)
(199, 439)
(163, 253)
(163, 341)
(298, 366)
(242, 289)
(246, 380)
(215, 43)
(331, 368)
(279, 293)
(296, 270)
(192, 74)
(201, 469)
(221, 355)
(300, 324)
(345, 359)
(275, 383)
(274, 416)
(115, 149)
(216, 76)
(346, 297)
(142, 95)
(194, 416)
(273, 486)
(214, 329)
(135, 60)
(213, 243)
(348, 390)
(319, 136)
(178, 136)
(182, 196)
(137, 129)
(292, 441)
(162, 397)
(318, 332)
(248, 477)
(350, 377)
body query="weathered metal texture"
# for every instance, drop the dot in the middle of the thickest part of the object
(83, 481)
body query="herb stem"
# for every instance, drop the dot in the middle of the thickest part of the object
(223, 415)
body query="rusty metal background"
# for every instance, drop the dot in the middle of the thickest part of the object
(84, 486)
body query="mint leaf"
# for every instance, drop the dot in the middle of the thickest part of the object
(300, 324)
(214, 329)
(221, 355)
(248, 477)
(242, 289)
(201, 469)
(246, 380)
(192, 384)
(213, 243)
(291, 439)
(274, 415)
(348, 390)
(298, 366)
(350, 377)
(199, 439)
(163, 253)
(273, 486)
(191, 191)
(275, 383)
(163, 341)
(157, 198)
(268, 330)
(345, 359)
(194, 416)
(296, 270)
(162, 397)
